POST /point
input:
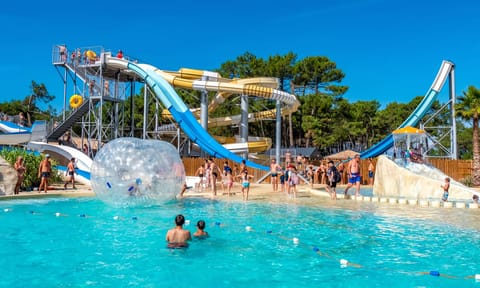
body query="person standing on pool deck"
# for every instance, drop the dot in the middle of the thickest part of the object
(21, 169)
(214, 173)
(445, 188)
(44, 171)
(70, 174)
(245, 183)
(274, 171)
(371, 171)
(353, 170)
(177, 237)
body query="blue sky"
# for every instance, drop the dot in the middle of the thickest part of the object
(389, 50)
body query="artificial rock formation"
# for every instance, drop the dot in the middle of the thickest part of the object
(414, 181)
(8, 178)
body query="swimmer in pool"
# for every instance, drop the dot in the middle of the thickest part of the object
(177, 237)
(200, 233)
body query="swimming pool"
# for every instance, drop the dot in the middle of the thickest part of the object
(57, 242)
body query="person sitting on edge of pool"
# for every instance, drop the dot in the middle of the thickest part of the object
(177, 237)
(200, 233)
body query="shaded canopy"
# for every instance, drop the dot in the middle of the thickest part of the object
(408, 130)
(408, 137)
(343, 155)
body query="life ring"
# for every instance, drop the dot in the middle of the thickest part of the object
(91, 55)
(76, 101)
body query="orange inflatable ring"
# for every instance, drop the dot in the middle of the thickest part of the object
(91, 55)
(76, 101)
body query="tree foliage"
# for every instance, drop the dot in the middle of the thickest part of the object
(468, 109)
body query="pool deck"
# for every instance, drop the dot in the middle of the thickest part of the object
(55, 190)
(259, 192)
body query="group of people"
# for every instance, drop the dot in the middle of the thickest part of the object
(44, 173)
(209, 173)
(329, 174)
(79, 58)
(44, 170)
(178, 237)
(19, 119)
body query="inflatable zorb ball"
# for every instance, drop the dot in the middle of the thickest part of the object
(130, 172)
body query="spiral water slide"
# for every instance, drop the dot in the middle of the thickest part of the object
(184, 117)
(211, 81)
(419, 112)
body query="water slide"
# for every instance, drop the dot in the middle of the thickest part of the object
(212, 81)
(184, 117)
(12, 134)
(419, 112)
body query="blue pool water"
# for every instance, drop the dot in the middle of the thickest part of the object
(86, 246)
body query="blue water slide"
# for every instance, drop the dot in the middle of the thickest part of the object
(187, 121)
(9, 127)
(419, 112)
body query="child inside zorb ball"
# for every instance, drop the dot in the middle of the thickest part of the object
(135, 172)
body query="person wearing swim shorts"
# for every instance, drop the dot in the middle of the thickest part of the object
(70, 174)
(44, 171)
(354, 176)
(177, 237)
(274, 171)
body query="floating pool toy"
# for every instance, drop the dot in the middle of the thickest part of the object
(76, 101)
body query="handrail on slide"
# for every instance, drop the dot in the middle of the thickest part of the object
(419, 112)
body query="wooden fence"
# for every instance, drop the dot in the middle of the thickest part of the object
(456, 169)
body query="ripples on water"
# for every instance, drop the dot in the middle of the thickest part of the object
(392, 243)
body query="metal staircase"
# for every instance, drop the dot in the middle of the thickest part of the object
(72, 119)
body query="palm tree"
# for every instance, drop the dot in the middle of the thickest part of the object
(468, 108)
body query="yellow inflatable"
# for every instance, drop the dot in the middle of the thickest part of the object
(91, 55)
(76, 101)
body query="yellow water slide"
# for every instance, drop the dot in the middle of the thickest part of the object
(264, 87)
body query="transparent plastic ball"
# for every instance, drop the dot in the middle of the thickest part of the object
(129, 172)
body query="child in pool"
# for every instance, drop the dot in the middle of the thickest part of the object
(201, 233)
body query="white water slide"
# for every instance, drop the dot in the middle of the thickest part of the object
(13, 134)
(83, 161)
(421, 110)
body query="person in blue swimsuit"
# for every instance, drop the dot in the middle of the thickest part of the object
(244, 176)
